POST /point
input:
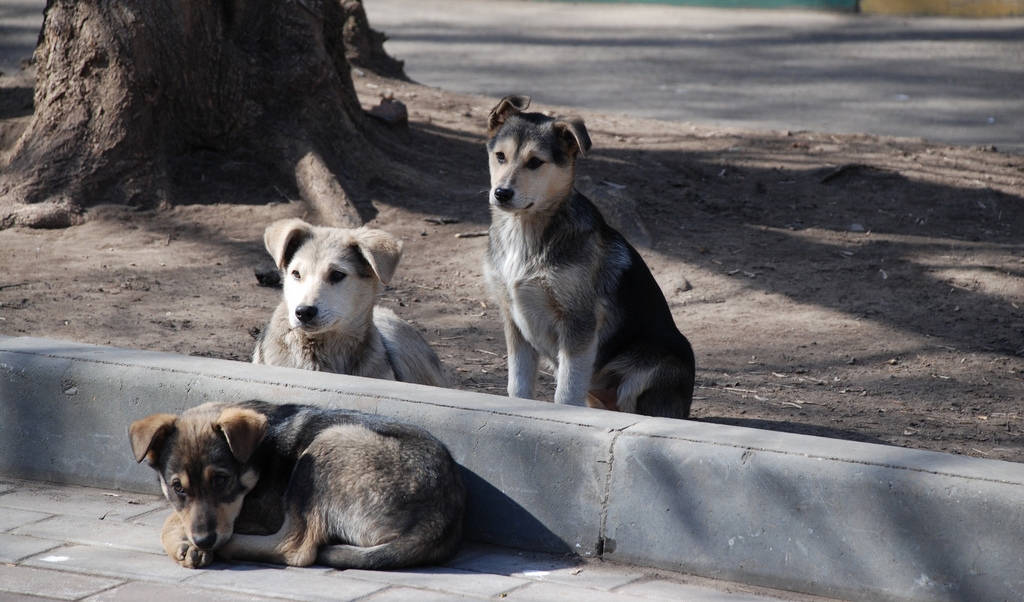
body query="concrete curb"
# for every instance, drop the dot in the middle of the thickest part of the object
(834, 518)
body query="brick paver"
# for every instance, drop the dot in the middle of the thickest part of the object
(61, 542)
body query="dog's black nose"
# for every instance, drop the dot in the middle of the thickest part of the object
(305, 314)
(206, 541)
(504, 195)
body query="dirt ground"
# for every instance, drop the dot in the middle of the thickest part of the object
(853, 287)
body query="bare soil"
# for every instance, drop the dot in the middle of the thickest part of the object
(854, 287)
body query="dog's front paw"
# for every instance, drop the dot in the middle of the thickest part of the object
(191, 557)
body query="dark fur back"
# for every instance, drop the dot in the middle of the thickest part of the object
(642, 324)
(293, 427)
(286, 480)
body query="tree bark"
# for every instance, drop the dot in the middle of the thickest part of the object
(129, 94)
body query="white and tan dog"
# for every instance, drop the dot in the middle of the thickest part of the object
(328, 319)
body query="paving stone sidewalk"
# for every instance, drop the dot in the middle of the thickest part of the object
(60, 542)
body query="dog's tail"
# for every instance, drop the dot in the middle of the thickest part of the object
(409, 549)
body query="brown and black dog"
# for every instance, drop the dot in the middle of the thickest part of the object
(299, 485)
(572, 291)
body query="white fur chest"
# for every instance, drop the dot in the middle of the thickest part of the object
(517, 275)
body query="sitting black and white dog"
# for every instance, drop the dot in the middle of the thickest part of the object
(572, 290)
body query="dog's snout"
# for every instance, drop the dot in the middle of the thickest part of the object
(504, 195)
(306, 313)
(206, 541)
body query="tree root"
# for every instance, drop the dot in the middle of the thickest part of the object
(321, 190)
(61, 213)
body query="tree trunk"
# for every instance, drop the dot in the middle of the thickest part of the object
(136, 102)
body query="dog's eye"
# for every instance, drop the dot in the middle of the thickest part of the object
(177, 487)
(534, 163)
(219, 481)
(336, 277)
(296, 275)
(500, 157)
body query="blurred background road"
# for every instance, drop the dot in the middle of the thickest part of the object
(953, 80)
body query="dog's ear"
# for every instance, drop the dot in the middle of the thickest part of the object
(282, 238)
(506, 107)
(572, 134)
(148, 436)
(244, 429)
(381, 250)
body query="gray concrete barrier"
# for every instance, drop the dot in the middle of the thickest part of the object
(848, 520)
